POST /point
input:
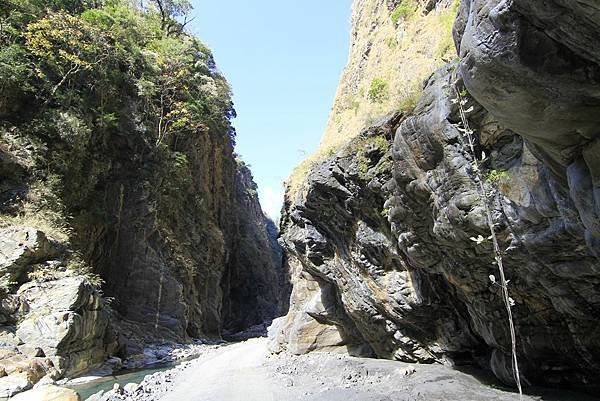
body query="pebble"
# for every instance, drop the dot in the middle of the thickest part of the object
(130, 388)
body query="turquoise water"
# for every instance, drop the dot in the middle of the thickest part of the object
(106, 383)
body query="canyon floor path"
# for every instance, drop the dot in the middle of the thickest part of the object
(247, 371)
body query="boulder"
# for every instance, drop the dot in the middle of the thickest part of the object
(19, 248)
(48, 393)
(13, 384)
(67, 323)
(130, 388)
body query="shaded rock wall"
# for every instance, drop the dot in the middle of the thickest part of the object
(172, 232)
(535, 66)
(389, 265)
(254, 272)
(180, 256)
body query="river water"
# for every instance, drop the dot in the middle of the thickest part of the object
(106, 383)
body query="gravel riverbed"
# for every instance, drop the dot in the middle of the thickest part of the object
(247, 371)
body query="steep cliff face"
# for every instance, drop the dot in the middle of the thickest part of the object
(118, 175)
(539, 77)
(394, 46)
(254, 270)
(374, 83)
(386, 256)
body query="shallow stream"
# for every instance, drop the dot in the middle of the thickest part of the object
(90, 388)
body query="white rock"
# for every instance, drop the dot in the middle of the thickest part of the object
(131, 388)
(48, 393)
(13, 384)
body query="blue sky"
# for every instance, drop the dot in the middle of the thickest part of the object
(283, 59)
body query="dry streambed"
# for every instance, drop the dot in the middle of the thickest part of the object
(247, 371)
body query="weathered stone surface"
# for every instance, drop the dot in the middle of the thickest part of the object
(67, 322)
(309, 326)
(19, 248)
(208, 267)
(48, 393)
(13, 384)
(351, 287)
(253, 275)
(535, 66)
(554, 276)
(420, 291)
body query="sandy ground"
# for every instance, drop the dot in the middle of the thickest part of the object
(246, 371)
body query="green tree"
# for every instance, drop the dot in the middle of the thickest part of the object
(169, 10)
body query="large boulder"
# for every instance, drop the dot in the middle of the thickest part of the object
(13, 384)
(48, 393)
(67, 322)
(19, 248)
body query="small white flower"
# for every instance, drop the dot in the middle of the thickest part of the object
(493, 279)
(478, 240)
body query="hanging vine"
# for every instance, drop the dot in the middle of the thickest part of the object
(498, 254)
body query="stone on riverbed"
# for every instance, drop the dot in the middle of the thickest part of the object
(131, 388)
(13, 384)
(48, 393)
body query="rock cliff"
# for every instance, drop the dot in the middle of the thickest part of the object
(386, 238)
(126, 216)
(394, 46)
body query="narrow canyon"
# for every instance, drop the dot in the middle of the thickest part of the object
(443, 242)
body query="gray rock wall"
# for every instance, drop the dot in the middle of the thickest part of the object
(389, 263)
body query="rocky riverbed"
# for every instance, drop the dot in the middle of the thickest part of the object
(248, 371)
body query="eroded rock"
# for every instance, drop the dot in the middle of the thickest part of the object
(67, 322)
(48, 393)
(421, 291)
(19, 248)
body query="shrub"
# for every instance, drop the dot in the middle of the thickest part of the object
(410, 97)
(378, 90)
(403, 11)
(391, 42)
(494, 176)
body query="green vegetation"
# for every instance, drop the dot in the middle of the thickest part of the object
(495, 176)
(391, 42)
(445, 48)
(404, 10)
(252, 192)
(363, 146)
(410, 97)
(355, 105)
(378, 90)
(101, 101)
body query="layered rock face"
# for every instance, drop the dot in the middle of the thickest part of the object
(253, 279)
(535, 66)
(204, 261)
(385, 255)
(56, 325)
(171, 262)
(125, 216)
